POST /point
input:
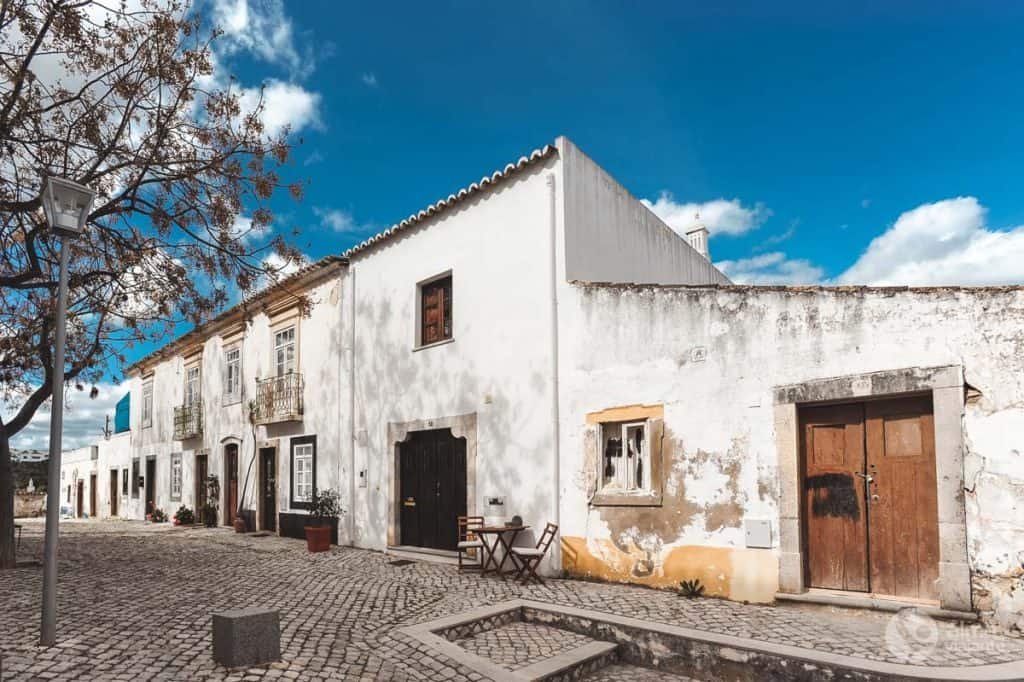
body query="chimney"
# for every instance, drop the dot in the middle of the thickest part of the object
(698, 237)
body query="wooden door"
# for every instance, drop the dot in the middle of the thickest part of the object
(113, 492)
(150, 484)
(202, 473)
(80, 502)
(94, 507)
(903, 498)
(268, 488)
(432, 469)
(231, 484)
(833, 500)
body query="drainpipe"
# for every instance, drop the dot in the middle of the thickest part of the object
(556, 551)
(352, 407)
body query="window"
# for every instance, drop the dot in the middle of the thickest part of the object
(69, 494)
(192, 394)
(124, 482)
(625, 457)
(176, 476)
(135, 478)
(436, 311)
(147, 404)
(232, 375)
(284, 351)
(303, 471)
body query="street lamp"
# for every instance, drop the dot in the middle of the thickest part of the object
(67, 205)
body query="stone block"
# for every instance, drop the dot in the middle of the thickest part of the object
(246, 637)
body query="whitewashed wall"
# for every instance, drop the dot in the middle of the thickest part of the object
(636, 345)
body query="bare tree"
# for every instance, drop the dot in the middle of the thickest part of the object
(126, 99)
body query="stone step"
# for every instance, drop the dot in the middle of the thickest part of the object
(573, 664)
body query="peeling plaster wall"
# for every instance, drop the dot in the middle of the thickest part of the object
(712, 356)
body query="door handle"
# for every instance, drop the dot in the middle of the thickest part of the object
(409, 502)
(868, 478)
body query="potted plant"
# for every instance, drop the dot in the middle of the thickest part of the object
(323, 511)
(158, 515)
(184, 516)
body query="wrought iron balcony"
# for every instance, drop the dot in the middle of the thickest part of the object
(279, 399)
(188, 421)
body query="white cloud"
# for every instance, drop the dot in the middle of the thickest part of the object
(336, 219)
(284, 104)
(84, 418)
(946, 242)
(369, 78)
(278, 268)
(261, 28)
(720, 216)
(771, 268)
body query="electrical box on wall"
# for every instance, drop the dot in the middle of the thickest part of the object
(758, 533)
(362, 478)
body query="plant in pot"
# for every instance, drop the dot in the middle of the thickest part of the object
(184, 516)
(210, 506)
(324, 509)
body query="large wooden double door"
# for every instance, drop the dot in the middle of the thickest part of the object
(869, 497)
(432, 470)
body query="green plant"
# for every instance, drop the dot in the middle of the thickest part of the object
(691, 588)
(184, 516)
(158, 515)
(325, 507)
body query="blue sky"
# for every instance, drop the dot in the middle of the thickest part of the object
(823, 143)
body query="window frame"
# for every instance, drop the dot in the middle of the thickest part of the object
(135, 478)
(292, 343)
(629, 487)
(232, 396)
(652, 417)
(301, 441)
(195, 398)
(124, 482)
(445, 281)
(176, 462)
(147, 404)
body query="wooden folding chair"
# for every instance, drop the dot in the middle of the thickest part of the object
(470, 544)
(527, 559)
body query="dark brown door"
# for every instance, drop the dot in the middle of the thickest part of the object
(231, 480)
(113, 492)
(150, 484)
(903, 498)
(81, 497)
(94, 507)
(432, 488)
(202, 473)
(870, 497)
(268, 487)
(836, 525)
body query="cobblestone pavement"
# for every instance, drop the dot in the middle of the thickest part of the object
(135, 602)
(623, 672)
(519, 644)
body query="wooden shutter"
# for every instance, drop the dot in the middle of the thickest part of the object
(436, 302)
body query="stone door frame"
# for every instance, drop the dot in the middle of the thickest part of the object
(946, 386)
(462, 426)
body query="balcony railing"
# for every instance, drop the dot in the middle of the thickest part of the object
(279, 399)
(188, 421)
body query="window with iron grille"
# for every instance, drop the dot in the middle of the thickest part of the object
(176, 476)
(436, 311)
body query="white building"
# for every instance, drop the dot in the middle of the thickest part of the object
(541, 344)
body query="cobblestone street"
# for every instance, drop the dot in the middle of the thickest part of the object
(136, 603)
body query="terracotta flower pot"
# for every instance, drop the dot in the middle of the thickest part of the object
(318, 538)
(239, 524)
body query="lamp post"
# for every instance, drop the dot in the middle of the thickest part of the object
(67, 206)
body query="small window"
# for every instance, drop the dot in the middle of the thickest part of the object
(303, 471)
(436, 311)
(284, 351)
(147, 404)
(124, 482)
(625, 457)
(176, 476)
(232, 375)
(192, 386)
(135, 478)
(69, 494)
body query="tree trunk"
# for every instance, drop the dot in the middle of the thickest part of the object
(7, 559)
